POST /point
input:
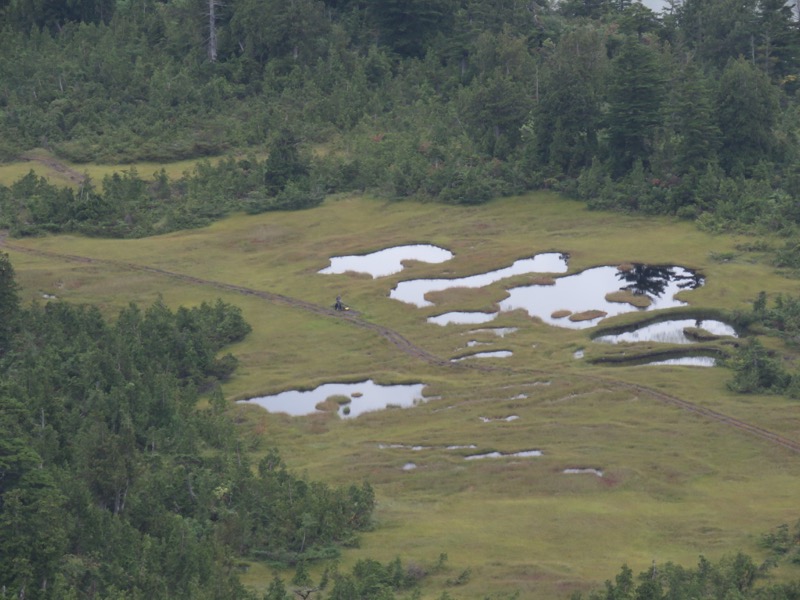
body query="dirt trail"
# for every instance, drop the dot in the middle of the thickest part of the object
(409, 347)
(51, 163)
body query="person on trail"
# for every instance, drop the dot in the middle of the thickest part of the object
(338, 305)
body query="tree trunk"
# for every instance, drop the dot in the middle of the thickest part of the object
(212, 30)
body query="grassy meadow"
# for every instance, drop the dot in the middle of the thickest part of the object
(674, 484)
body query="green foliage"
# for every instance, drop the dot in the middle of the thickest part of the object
(784, 542)
(409, 99)
(733, 576)
(635, 97)
(9, 301)
(111, 479)
(756, 370)
(747, 109)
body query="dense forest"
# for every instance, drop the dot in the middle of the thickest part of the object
(691, 112)
(115, 484)
(117, 478)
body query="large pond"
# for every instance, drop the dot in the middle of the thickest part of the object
(363, 397)
(388, 261)
(587, 291)
(672, 331)
(414, 291)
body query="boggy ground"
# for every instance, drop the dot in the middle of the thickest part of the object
(688, 468)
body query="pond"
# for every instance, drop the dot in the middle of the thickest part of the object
(461, 318)
(489, 354)
(687, 361)
(363, 397)
(388, 261)
(498, 331)
(698, 358)
(563, 304)
(522, 454)
(672, 331)
(413, 291)
(583, 471)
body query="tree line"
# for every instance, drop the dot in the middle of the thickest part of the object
(115, 482)
(692, 112)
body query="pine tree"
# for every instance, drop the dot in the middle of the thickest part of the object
(635, 97)
(747, 111)
(9, 302)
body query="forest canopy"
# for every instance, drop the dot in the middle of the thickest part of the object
(690, 112)
(114, 483)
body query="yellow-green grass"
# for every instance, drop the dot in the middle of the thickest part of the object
(675, 484)
(64, 172)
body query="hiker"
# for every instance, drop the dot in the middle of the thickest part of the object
(338, 305)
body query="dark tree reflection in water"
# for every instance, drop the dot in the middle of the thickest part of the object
(650, 280)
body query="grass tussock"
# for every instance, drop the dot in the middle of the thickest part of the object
(628, 297)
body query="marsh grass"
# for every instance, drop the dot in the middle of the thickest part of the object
(58, 171)
(628, 297)
(675, 484)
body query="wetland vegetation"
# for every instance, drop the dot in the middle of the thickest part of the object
(185, 188)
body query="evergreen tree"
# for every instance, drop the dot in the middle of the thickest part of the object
(636, 91)
(566, 118)
(9, 302)
(692, 121)
(747, 110)
(284, 164)
(718, 30)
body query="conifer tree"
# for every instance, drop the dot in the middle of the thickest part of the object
(636, 90)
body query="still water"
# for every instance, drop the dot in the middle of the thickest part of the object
(364, 397)
(388, 261)
(670, 332)
(414, 291)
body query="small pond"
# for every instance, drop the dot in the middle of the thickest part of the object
(459, 318)
(583, 471)
(586, 291)
(700, 358)
(498, 331)
(670, 331)
(363, 397)
(488, 354)
(522, 454)
(687, 361)
(413, 291)
(509, 418)
(388, 261)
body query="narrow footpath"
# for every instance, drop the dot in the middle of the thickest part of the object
(408, 347)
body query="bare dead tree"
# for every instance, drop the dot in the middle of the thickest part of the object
(212, 29)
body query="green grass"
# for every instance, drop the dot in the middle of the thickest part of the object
(57, 171)
(675, 485)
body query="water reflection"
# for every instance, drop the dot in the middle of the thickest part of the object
(522, 454)
(587, 291)
(687, 361)
(581, 471)
(364, 397)
(671, 331)
(414, 291)
(388, 261)
(652, 281)
(491, 354)
(462, 317)
(498, 331)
